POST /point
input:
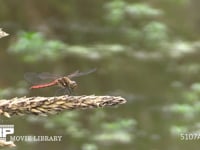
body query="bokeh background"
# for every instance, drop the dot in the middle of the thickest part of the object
(145, 51)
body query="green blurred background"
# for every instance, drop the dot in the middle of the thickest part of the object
(145, 51)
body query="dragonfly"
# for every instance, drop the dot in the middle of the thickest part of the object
(64, 82)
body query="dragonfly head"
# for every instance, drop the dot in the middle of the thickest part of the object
(73, 84)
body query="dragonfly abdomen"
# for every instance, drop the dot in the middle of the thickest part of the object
(44, 85)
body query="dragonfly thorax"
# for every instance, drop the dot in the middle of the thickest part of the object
(65, 82)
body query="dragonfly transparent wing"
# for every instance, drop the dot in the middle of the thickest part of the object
(47, 75)
(78, 74)
(32, 77)
(35, 78)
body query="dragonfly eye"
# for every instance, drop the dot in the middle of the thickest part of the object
(73, 84)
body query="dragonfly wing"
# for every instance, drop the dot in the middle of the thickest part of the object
(47, 75)
(73, 74)
(32, 77)
(36, 78)
(78, 74)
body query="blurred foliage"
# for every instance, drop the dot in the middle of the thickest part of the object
(177, 130)
(120, 130)
(140, 22)
(187, 110)
(115, 11)
(144, 33)
(90, 146)
(144, 27)
(119, 11)
(17, 90)
(32, 46)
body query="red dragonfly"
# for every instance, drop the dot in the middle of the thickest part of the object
(63, 82)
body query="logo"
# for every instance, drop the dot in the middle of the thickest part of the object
(6, 130)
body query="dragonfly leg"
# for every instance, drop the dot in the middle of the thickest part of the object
(68, 90)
